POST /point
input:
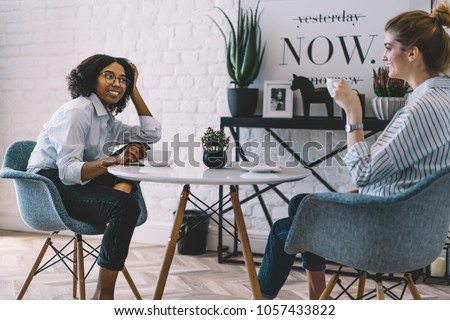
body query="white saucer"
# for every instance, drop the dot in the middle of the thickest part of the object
(157, 164)
(161, 163)
(259, 168)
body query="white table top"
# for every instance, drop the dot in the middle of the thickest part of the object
(202, 175)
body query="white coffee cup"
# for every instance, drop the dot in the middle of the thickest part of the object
(331, 81)
(159, 157)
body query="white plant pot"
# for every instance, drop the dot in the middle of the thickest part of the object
(384, 108)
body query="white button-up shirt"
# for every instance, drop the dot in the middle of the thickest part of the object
(82, 130)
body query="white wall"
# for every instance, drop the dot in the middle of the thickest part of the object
(183, 78)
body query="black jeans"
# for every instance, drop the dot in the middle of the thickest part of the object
(98, 203)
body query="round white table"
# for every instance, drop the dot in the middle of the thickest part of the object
(202, 175)
(232, 176)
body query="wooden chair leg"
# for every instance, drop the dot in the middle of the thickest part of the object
(412, 287)
(380, 289)
(361, 285)
(75, 270)
(80, 258)
(35, 266)
(329, 288)
(130, 281)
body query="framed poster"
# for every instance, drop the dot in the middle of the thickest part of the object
(278, 99)
(327, 38)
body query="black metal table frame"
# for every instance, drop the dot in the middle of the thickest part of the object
(371, 126)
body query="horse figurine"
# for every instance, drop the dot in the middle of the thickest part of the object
(312, 95)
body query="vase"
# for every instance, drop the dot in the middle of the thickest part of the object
(384, 108)
(215, 159)
(242, 101)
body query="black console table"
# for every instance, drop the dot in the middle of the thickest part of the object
(234, 124)
(371, 126)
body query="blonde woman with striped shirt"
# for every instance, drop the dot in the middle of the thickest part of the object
(415, 144)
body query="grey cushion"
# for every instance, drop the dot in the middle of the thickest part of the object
(392, 234)
(38, 199)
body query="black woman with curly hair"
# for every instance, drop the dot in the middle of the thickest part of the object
(73, 150)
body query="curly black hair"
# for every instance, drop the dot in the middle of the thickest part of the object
(81, 80)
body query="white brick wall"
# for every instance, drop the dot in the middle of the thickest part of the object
(183, 79)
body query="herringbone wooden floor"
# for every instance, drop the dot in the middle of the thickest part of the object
(191, 277)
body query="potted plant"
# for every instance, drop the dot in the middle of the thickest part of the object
(244, 54)
(215, 144)
(389, 93)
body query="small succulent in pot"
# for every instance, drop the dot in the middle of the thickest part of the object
(215, 144)
(384, 86)
(389, 93)
(215, 140)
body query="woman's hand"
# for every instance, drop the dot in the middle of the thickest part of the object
(93, 169)
(132, 153)
(353, 190)
(348, 100)
(138, 102)
(136, 74)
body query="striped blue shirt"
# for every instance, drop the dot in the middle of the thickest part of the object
(415, 144)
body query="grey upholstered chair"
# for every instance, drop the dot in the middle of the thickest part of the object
(379, 235)
(41, 208)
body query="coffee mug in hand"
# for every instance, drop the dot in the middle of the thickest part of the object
(331, 81)
(159, 157)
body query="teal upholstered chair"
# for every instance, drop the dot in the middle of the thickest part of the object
(376, 235)
(42, 209)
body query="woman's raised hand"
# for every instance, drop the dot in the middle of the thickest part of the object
(348, 100)
(136, 73)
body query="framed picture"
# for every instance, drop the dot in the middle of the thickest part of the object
(278, 99)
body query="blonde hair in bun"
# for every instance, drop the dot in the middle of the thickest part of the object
(442, 14)
(426, 31)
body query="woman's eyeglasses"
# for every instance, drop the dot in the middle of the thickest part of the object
(110, 78)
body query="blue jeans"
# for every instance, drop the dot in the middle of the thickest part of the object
(276, 263)
(98, 203)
